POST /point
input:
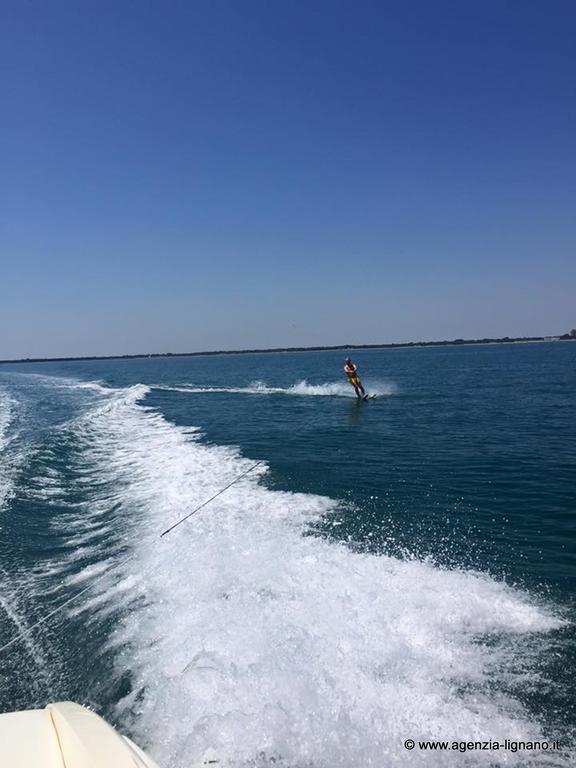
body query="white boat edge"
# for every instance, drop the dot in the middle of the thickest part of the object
(65, 735)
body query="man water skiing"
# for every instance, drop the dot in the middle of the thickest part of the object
(352, 372)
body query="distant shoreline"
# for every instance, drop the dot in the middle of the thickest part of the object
(344, 347)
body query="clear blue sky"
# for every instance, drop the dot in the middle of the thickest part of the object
(179, 176)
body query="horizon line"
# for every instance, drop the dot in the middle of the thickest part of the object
(317, 348)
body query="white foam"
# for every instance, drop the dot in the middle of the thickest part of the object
(302, 388)
(341, 389)
(6, 404)
(11, 455)
(250, 642)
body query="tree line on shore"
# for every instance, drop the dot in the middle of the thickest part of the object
(571, 336)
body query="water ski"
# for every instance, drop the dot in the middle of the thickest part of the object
(369, 397)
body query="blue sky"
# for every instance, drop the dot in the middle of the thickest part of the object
(180, 176)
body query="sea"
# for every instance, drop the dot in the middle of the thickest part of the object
(346, 577)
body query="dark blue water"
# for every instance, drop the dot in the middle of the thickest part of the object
(397, 568)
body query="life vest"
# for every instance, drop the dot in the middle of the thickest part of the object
(350, 371)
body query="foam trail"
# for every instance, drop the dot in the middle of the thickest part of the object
(10, 457)
(6, 404)
(302, 388)
(253, 645)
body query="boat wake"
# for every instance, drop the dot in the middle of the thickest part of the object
(247, 642)
(252, 644)
(302, 389)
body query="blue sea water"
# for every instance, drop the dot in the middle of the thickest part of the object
(399, 568)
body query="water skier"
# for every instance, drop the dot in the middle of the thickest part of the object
(352, 372)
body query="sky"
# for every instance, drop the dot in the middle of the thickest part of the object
(227, 174)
